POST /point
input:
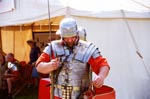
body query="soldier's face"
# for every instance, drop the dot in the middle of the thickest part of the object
(70, 41)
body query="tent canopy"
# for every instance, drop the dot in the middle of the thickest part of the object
(27, 11)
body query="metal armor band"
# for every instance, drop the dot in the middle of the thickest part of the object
(75, 88)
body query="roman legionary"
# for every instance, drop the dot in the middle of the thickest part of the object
(67, 58)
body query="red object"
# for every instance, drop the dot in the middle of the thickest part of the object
(44, 88)
(105, 92)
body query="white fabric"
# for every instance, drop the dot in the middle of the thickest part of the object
(6, 5)
(127, 74)
(106, 28)
(32, 10)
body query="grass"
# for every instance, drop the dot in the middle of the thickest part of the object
(26, 93)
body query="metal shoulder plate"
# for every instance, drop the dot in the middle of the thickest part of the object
(58, 49)
(86, 50)
(55, 47)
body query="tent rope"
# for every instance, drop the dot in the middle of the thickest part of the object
(134, 42)
(140, 4)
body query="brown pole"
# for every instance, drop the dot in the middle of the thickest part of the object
(51, 75)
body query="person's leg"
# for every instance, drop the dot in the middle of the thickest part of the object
(35, 77)
(36, 81)
(9, 84)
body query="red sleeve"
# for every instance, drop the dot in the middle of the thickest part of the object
(44, 57)
(97, 63)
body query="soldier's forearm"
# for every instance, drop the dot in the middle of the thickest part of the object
(44, 68)
(104, 72)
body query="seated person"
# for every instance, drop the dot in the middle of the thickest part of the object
(12, 73)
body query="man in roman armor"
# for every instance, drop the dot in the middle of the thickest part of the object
(68, 59)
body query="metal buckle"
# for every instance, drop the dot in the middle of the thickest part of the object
(66, 91)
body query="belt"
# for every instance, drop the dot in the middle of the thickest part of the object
(74, 88)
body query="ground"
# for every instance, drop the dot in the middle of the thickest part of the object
(26, 93)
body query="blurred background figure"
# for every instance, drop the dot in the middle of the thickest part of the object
(34, 54)
(82, 33)
(12, 73)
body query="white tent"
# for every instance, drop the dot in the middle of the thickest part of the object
(25, 11)
(118, 27)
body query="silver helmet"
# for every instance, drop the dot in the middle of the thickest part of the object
(82, 33)
(68, 28)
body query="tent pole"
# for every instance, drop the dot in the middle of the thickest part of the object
(51, 75)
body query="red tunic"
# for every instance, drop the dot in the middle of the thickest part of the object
(95, 64)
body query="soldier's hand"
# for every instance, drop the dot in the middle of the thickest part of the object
(54, 64)
(98, 81)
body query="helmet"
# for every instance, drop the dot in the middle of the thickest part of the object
(82, 33)
(68, 28)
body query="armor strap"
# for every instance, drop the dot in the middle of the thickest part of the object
(60, 68)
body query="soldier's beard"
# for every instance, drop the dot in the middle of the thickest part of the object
(70, 44)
